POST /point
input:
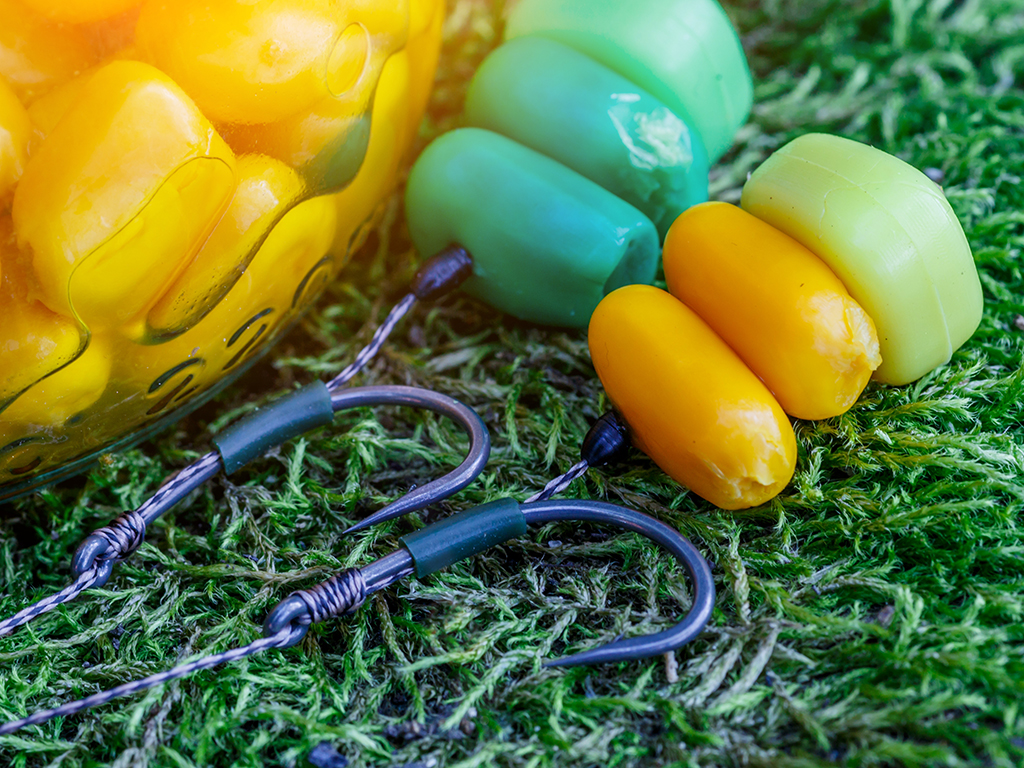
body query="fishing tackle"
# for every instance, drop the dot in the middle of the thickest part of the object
(431, 549)
(423, 552)
(289, 416)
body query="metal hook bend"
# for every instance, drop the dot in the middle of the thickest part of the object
(443, 487)
(669, 539)
(272, 424)
(475, 530)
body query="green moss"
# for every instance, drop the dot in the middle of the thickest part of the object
(870, 616)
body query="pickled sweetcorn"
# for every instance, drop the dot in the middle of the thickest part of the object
(178, 181)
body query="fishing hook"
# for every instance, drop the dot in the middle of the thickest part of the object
(428, 550)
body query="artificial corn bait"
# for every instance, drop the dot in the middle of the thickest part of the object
(15, 134)
(686, 54)
(786, 315)
(888, 233)
(547, 244)
(148, 211)
(692, 405)
(312, 112)
(291, 265)
(565, 105)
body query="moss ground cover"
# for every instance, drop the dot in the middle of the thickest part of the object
(869, 616)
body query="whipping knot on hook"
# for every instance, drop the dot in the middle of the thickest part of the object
(123, 536)
(340, 594)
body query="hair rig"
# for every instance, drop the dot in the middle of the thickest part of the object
(422, 553)
(278, 421)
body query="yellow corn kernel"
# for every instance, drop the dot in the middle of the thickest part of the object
(34, 342)
(36, 55)
(246, 62)
(328, 139)
(15, 132)
(48, 109)
(295, 258)
(66, 392)
(121, 195)
(691, 403)
(266, 189)
(784, 312)
(291, 264)
(79, 11)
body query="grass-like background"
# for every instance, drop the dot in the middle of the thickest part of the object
(871, 615)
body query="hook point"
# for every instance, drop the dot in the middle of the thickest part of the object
(357, 527)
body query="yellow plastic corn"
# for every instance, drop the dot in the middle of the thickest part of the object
(692, 405)
(178, 181)
(121, 195)
(776, 304)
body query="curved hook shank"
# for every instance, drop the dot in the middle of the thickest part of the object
(413, 397)
(670, 539)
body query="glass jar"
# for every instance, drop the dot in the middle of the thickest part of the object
(178, 181)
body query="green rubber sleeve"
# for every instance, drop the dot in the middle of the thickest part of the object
(463, 535)
(272, 424)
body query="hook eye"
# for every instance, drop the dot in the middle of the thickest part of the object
(669, 539)
(413, 397)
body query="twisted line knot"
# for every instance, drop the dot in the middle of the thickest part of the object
(340, 594)
(123, 536)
